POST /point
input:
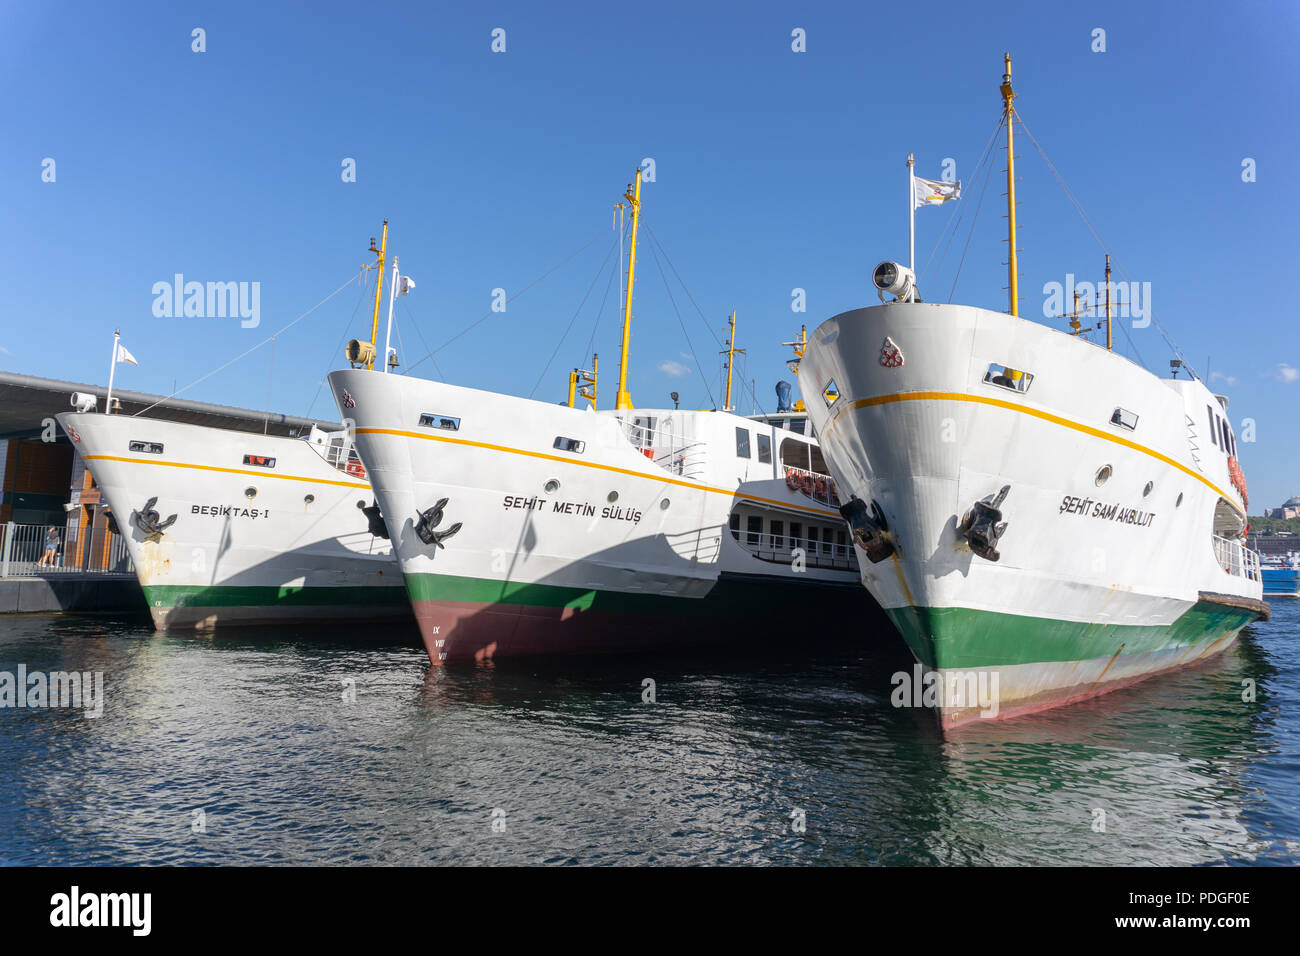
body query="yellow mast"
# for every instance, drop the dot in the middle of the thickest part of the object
(379, 285)
(1009, 113)
(633, 196)
(731, 358)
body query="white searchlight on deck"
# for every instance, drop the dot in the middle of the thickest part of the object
(898, 280)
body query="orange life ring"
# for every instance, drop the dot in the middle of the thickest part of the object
(806, 483)
(1238, 479)
(791, 479)
(821, 487)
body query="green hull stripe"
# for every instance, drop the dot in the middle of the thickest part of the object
(728, 596)
(964, 638)
(175, 595)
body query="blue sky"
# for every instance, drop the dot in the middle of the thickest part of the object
(774, 170)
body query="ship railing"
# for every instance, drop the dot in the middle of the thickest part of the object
(25, 551)
(782, 549)
(814, 485)
(671, 452)
(1236, 559)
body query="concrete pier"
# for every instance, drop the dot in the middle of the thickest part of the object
(71, 591)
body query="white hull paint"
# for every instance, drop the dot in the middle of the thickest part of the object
(296, 550)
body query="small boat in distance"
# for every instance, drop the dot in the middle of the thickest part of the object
(1281, 575)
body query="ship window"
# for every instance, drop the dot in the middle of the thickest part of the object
(765, 449)
(753, 529)
(429, 420)
(1004, 377)
(778, 532)
(1223, 430)
(1209, 411)
(796, 533)
(148, 447)
(261, 461)
(569, 444)
(1103, 475)
(742, 442)
(1232, 443)
(818, 462)
(735, 525)
(831, 393)
(797, 425)
(1124, 418)
(794, 453)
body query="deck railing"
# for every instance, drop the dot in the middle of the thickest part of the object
(1236, 559)
(780, 549)
(669, 451)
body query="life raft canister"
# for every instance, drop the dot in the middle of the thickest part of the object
(356, 469)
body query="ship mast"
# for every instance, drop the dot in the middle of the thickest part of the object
(1110, 343)
(1008, 115)
(382, 251)
(633, 196)
(731, 358)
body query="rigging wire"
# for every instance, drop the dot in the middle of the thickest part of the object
(247, 352)
(959, 213)
(329, 361)
(487, 315)
(573, 318)
(1096, 235)
(687, 335)
(609, 284)
(655, 240)
(416, 325)
(988, 174)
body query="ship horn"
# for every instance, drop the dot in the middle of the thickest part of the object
(870, 530)
(429, 520)
(983, 526)
(374, 519)
(146, 519)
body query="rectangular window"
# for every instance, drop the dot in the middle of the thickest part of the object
(569, 444)
(1124, 418)
(735, 525)
(765, 449)
(778, 533)
(794, 453)
(812, 540)
(742, 442)
(148, 447)
(261, 461)
(753, 530)
(797, 425)
(1223, 426)
(1011, 378)
(1232, 441)
(796, 534)
(828, 540)
(429, 420)
(842, 543)
(1209, 411)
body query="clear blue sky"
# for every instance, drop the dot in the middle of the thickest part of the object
(775, 170)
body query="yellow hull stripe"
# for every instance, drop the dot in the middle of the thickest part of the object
(229, 471)
(591, 464)
(1034, 413)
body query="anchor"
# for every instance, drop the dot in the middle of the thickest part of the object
(146, 519)
(374, 519)
(870, 529)
(983, 525)
(429, 520)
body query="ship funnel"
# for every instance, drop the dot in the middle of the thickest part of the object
(783, 397)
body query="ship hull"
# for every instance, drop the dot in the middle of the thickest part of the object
(1107, 570)
(297, 550)
(561, 535)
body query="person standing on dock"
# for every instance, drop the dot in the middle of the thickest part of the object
(51, 547)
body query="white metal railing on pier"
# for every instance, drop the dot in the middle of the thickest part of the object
(1236, 559)
(781, 549)
(29, 550)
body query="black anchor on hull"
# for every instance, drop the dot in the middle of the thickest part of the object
(982, 527)
(146, 519)
(429, 520)
(869, 527)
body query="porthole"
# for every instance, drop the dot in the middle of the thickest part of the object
(551, 485)
(612, 497)
(1147, 490)
(1103, 475)
(663, 505)
(250, 492)
(309, 498)
(1179, 502)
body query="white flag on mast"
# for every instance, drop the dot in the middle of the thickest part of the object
(124, 356)
(928, 192)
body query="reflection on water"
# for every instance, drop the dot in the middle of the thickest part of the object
(552, 761)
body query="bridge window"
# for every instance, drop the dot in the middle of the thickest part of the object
(569, 444)
(1124, 418)
(742, 442)
(1209, 411)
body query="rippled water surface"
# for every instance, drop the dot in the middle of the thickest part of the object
(555, 761)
